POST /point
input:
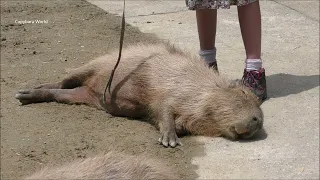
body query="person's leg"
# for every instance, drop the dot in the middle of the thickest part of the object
(250, 24)
(207, 25)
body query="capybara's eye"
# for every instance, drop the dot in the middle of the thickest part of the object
(255, 119)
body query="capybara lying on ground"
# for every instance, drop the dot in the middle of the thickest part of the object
(110, 166)
(180, 93)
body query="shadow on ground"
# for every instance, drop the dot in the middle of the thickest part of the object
(280, 85)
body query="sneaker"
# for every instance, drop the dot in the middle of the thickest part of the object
(214, 66)
(256, 82)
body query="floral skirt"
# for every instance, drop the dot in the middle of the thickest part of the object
(215, 4)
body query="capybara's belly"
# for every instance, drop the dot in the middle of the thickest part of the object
(125, 107)
(127, 96)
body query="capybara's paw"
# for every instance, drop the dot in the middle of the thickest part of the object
(27, 96)
(169, 139)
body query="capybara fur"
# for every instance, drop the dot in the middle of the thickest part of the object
(110, 166)
(179, 92)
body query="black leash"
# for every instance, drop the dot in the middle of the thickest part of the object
(108, 86)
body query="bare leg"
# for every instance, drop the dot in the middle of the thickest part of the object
(250, 24)
(80, 95)
(207, 25)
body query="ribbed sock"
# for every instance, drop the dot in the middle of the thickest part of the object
(208, 55)
(253, 64)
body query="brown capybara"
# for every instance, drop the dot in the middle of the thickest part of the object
(179, 92)
(109, 166)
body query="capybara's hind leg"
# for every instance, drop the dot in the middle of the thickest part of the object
(80, 95)
(49, 86)
(70, 82)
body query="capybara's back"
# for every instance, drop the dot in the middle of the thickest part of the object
(110, 166)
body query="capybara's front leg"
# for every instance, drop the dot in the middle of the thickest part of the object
(80, 95)
(167, 128)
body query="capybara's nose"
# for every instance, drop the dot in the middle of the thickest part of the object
(258, 121)
(254, 119)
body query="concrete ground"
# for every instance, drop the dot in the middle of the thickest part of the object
(289, 147)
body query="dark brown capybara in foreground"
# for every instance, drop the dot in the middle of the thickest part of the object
(180, 93)
(110, 166)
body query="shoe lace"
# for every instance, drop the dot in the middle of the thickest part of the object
(251, 79)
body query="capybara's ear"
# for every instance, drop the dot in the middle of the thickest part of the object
(259, 102)
(250, 95)
(256, 99)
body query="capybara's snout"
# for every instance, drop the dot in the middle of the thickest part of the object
(247, 128)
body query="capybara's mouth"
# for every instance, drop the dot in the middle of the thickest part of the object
(249, 132)
(246, 135)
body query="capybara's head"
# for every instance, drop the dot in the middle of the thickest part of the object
(232, 112)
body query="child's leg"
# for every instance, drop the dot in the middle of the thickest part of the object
(250, 24)
(207, 25)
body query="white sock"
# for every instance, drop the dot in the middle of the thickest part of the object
(253, 64)
(208, 55)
